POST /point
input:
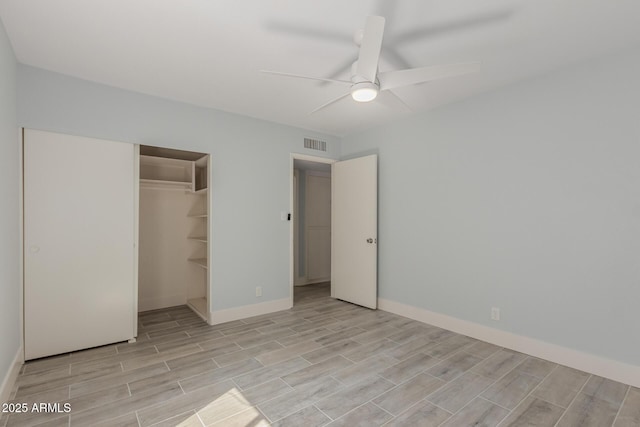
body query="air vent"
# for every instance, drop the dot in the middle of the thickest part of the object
(315, 144)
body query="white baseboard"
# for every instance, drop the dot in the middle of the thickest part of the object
(10, 379)
(154, 303)
(238, 313)
(597, 365)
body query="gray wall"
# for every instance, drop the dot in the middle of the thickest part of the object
(526, 199)
(10, 287)
(250, 242)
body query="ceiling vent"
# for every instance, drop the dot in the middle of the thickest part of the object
(315, 144)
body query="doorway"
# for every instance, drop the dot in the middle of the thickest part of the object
(311, 223)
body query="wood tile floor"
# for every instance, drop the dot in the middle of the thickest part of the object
(324, 362)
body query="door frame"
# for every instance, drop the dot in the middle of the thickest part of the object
(292, 223)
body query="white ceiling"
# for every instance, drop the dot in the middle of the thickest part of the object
(209, 52)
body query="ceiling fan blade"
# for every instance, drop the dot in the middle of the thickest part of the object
(394, 101)
(394, 79)
(333, 101)
(370, 48)
(308, 32)
(297, 76)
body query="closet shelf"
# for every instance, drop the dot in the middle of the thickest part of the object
(202, 262)
(198, 216)
(198, 238)
(201, 191)
(157, 183)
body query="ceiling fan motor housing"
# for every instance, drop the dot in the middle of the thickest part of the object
(364, 91)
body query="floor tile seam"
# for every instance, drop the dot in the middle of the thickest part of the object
(269, 420)
(377, 406)
(277, 397)
(530, 394)
(486, 357)
(111, 417)
(321, 411)
(450, 355)
(472, 400)
(345, 385)
(252, 405)
(426, 399)
(497, 380)
(493, 403)
(243, 349)
(624, 400)
(48, 389)
(357, 407)
(477, 394)
(423, 372)
(24, 372)
(422, 401)
(202, 373)
(456, 377)
(240, 389)
(199, 418)
(573, 400)
(171, 416)
(480, 396)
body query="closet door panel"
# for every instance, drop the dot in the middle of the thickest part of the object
(79, 243)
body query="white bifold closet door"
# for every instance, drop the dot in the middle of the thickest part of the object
(79, 216)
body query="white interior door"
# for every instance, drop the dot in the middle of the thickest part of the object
(79, 218)
(354, 220)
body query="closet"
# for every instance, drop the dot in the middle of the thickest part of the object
(110, 229)
(173, 251)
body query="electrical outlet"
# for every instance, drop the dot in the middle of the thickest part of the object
(259, 291)
(495, 313)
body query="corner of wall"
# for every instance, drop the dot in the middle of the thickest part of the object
(246, 311)
(7, 387)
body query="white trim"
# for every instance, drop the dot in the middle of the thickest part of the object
(136, 235)
(21, 238)
(10, 379)
(245, 311)
(209, 225)
(158, 302)
(597, 365)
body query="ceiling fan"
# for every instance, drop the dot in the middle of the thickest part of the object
(366, 82)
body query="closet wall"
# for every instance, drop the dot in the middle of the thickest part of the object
(173, 237)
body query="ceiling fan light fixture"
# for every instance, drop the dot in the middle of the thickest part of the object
(364, 91)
